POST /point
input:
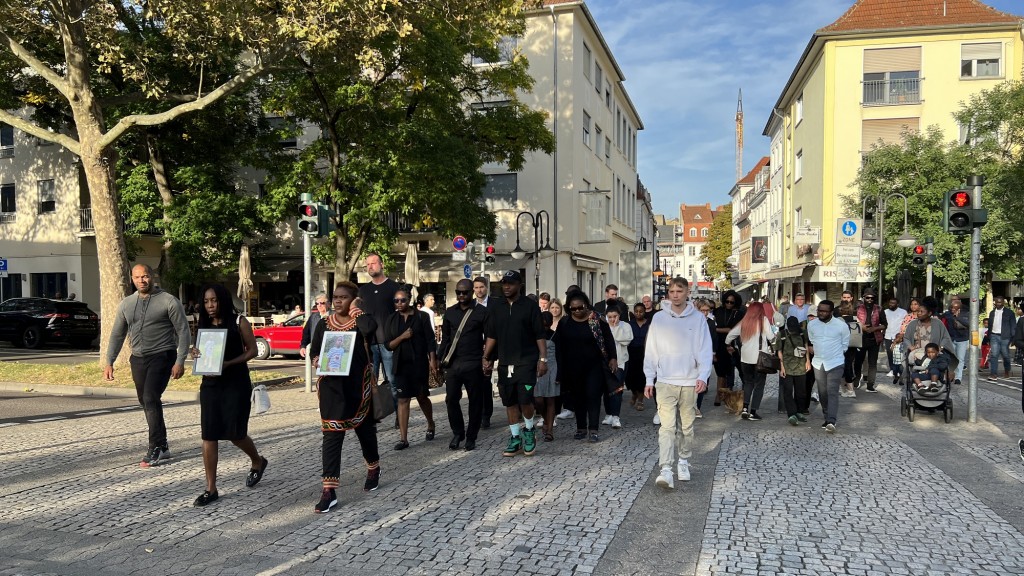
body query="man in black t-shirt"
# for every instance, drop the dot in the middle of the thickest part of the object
(378, 300)
(515, 335)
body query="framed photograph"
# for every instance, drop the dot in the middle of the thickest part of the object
(336, 354)
(210, 342)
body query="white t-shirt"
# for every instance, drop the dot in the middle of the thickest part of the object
(996, 325)
(894, 319)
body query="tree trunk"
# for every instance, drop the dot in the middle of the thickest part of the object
(163, 187)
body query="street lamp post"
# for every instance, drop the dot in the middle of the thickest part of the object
(904, 241)
(536, 220)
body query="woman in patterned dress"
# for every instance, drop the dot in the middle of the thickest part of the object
(345, 401)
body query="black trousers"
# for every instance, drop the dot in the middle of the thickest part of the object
(753, 385)
(367, 435)
(793, 390)
(804, 404)
(151, 374)
(586, 387)
(471, 376)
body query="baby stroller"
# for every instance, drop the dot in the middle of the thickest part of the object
(925, 399)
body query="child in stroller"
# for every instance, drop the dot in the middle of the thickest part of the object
(930, 369)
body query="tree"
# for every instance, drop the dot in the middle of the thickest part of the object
(66, 67)
(923, 167)
(718, 248)
(406, 131)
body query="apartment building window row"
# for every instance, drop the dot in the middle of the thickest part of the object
(608, 94)
(6, 140)
(981, 60)
(586, 129)
(798, 166)
(588, 58)
(892, 76)
(47, 197)
(607, 151)
(886, 131)
(598, 78)
(8, 203)
(799, 108)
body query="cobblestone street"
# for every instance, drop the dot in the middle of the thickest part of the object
(882, 496)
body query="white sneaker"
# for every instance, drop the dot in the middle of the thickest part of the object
(538, 421)
(697, 413)
(683, 471)
(665, 479)
(616, 423)
(814, 396)
(657, 420)
(607, 420)
(566, 414)
(889, 374)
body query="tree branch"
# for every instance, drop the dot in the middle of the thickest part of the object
(223, 90)
(37, 65)
(139, 97)
(39, 132)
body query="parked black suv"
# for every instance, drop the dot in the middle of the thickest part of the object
(30, 322)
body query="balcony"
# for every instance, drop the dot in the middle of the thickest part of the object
(894, 91)
(86, 227)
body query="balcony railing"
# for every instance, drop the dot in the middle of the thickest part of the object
(894, 91)
(406, 224)
(87, 226)
(6, 217)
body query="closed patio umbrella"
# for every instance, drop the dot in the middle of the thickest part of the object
(244, 277)
(412, 269)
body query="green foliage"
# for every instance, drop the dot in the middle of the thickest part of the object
(923, 168)
(719, 246)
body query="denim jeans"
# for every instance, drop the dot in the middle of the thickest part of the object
(1000, 347)
(961, 354)
(828, 391)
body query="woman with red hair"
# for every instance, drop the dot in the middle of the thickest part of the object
(754, 333)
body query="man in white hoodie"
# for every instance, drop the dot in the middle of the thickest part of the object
(678, 355)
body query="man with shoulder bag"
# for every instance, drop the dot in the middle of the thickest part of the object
(461, 353)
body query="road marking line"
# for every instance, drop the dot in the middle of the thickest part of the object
(50, 419)
(128, 408)
(93, 413)
(6, 424)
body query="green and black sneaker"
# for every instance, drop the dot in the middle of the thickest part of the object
(529, 441)
(515, 446)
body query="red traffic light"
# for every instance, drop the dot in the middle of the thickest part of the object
(490, 249)
(918, 249)
(960, 199)
(307, 210)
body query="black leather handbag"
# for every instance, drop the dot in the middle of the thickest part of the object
(767, 362)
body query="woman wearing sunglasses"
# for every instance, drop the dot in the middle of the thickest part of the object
(409, 335)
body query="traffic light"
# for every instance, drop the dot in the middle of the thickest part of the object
(959, 214)
(920, 258)
(309, 217)
(489, 256)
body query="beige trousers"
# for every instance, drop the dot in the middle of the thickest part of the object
(676, 406)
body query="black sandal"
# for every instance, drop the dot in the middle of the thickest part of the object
(206, 498)
(402, 445)
(256, 474)
(430, 434)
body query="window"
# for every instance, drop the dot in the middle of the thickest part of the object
(501, 191)
(618, 119)
(981, 60)
(6, 140)
(286, 129)
(597, 140)
(693, 250)
(505, 51)
(607, 150)
(8, 208)
(704, 233)
(622, 134)
(586, 128)
(798, 166)
(598, 78)
(799, 108)
(47, 197)
(587, 60)
(886, 131)
(608, 95)
(693, 232)
(892, 76)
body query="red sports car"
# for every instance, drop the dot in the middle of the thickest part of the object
(279, 339)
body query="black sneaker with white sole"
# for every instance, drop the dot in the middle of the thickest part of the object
(1020, 447)
(327, 501)
(154, 456)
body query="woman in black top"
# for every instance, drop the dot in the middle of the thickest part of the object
(410, 336)
(582, 360)
(224, 400)
(726, 316)
(635, 379)
(346, 401)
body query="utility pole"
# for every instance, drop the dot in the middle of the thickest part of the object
(929, 243)
(307, 283)
(975, 182)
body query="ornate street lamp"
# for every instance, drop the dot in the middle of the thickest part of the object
(536, 220)
(906, 240)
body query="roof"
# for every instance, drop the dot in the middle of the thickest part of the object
(749, 178)
(688, 213)
(867, 15)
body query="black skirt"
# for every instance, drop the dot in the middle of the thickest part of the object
(225, 409)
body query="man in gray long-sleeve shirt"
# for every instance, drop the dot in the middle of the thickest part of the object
(154, 323)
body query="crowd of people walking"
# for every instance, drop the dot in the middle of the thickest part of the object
(551, 359)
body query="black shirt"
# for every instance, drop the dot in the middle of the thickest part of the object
(379, 302)
(516, 327)
(575, 344)
(602, 309)
(470, 347)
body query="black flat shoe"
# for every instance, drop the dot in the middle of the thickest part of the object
(430, 434)
(470, 445)
(205, 498)
(256, 474)
(402, 445)
(454, 444)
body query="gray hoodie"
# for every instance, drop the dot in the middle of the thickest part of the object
(153, 324)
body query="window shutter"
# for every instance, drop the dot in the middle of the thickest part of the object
(988, 51)
(888, 131)
(892, 60)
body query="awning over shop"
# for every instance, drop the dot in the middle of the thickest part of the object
(795, 271)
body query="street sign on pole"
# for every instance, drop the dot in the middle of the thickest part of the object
(3, 265)
(849, 231)
(807, 235)
(975, 182)
(467, 270)
(458, 256)
(459, 243)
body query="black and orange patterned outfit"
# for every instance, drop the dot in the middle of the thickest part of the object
(345, 401)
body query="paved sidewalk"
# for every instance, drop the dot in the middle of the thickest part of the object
(882, 496)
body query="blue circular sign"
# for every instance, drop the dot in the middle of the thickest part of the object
(849, 228)
(459, 243)
(467, 270)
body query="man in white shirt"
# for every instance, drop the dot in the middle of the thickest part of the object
(678, 354)
(894, 316)
(829, 340)
(798, 309)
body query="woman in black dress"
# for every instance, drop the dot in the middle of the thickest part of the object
(346, 401)
(224, 400)
(635, 379)
(726, 317)
(410, 335)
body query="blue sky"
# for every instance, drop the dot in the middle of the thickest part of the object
(685, 61)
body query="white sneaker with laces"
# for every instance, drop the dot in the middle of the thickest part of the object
(565, 414)
(657, 420)
(665, 479)
(538, 421)
(607, 420)
(889, 374)
(616, 423)
(683, 471)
